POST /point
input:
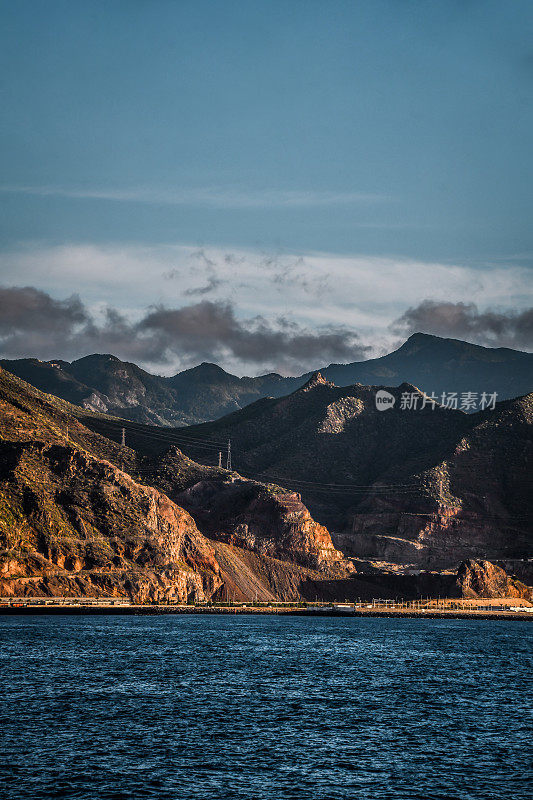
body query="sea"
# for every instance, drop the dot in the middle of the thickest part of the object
(239, 707)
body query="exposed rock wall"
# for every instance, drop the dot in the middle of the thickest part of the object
(72, 524)
(483, 579)
(269, 522)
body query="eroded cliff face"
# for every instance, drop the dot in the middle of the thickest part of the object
(484, 579)
(474, 501)
(266, 520)
(438, 539)
(71, 524)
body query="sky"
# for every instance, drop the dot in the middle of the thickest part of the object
(268, 185)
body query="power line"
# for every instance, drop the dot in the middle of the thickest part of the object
(332, 488)
(374, 490)
(315, 485)
(138, 427)
(470, 516)
(164, 438)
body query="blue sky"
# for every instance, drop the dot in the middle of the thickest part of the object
(381, 130)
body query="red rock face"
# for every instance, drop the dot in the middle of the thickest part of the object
(484, 579)
(266, 521)
(79, 525)
(437, 540)
(282, 527)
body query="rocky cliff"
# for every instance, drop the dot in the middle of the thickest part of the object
(73, 522)
(265, 519)
(80, 514)
(483, 579)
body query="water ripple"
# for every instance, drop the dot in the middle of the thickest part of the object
(264, 708)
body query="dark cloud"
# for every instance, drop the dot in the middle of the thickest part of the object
(211, 329)
(465, 321)
(26, 308)
(34, 324)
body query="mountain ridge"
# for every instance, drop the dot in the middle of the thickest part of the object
(80, 514)
(102, 382)
(429, 485)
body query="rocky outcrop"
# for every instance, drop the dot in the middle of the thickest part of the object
(72, 524)
(316, 379)
(264, 519)
(430, 540)
(484, 579)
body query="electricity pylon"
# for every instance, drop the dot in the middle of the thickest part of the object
(228, 462)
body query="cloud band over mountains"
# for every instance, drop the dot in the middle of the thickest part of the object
(32, 323)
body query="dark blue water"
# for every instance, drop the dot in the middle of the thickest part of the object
(264, 707)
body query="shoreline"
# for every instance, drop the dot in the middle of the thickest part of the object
(153, 610)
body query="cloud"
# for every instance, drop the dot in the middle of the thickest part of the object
(32, 323)
(28, 308)
(319, 292)
(512, 328)
(212, 284)
(209, 329)
(294, 271)
(31, 320)
(203, 263)
(208, 196)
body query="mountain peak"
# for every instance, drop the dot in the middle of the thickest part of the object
(208, 368)
(420, 337)
(96, 357)
(316, 379)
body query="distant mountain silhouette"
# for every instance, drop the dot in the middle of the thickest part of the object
(207, 392)
(441, 365)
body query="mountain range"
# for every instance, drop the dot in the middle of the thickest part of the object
(82, 514)
(105, 383)
(427, 486)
